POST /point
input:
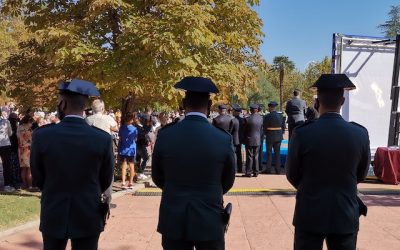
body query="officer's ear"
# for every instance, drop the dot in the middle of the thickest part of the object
(316, 104)
(342, 101)
(184, 103)
(209, 107)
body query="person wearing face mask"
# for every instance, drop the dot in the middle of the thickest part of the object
(72, 163)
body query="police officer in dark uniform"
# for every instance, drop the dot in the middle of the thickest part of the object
(72, 163)
(295, 110)
(193, 172)
(326, 160)
(274, 125)
(223, 120)
(260, 155)
(252, 132)
(237, 134)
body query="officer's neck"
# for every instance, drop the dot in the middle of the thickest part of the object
(198, 110)
(322, 110)
(75, 113)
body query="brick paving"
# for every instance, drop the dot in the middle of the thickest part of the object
(258, 222)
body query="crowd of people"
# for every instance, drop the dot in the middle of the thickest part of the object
(193, 162)
(134, 136)
(15, 140)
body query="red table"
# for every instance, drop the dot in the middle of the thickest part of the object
(387, 165)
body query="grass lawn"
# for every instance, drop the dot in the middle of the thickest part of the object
(16, 210)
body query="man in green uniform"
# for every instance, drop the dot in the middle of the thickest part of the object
(326, 159)
(194, 165)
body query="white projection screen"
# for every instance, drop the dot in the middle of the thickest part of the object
(368, 62)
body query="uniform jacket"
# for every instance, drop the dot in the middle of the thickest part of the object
(72, 164)
(326, 160)
(235, 131)
(295, 110)
(241, 128)
(223, 121)
(194, 164)
(274, 120)
(253, 126)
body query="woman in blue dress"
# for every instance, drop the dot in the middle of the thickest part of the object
(127, 148)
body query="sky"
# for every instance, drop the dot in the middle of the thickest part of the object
(303, 29)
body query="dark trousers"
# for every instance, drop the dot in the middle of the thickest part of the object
(239, 160)
(252, 159)
(5, 154)
(314, 241)
(260, 154)
(143, 157)
(169, 244)
(277, 150)
(292, 126)
(89, 243)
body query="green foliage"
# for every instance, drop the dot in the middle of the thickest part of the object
(265, 91)
(294, 79)
(280, 62)
(142, 46)
(392, 26)
(284, 66)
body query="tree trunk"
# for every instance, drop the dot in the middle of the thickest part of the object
(281, 79)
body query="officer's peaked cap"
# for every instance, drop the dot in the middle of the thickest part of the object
(222, 106)
(272, 104)
(254, 106)
(236, 107)
(197, 84)
(333, 81)
(80, 87)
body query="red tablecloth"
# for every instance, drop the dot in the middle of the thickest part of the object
(387, 165)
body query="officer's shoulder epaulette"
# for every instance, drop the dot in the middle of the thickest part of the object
(305, 124)
(169, 125)
(358, 125)
(226, 132)
(45, 126)
(99, 129)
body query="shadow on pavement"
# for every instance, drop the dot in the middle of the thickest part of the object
(382, 200)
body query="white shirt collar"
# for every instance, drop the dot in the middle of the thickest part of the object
(74, 116)
(197, 113)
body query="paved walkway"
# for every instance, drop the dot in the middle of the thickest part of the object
(258, 222)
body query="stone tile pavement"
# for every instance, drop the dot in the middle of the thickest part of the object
(258, 222)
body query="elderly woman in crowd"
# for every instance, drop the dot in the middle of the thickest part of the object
(24, 134)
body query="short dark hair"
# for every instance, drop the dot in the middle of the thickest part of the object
(330, 98)
(130, 117)
(76, 102)
(196, 100)
(296, 92)
(27, 119)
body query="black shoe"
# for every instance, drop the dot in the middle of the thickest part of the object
(277, 171)
(246, 175)
(255, 175)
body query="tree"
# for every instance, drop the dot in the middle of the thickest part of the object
(265, 91)
(12, 32)
(392, 26)
(139, 46)
(311, 74)
(282, 64)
